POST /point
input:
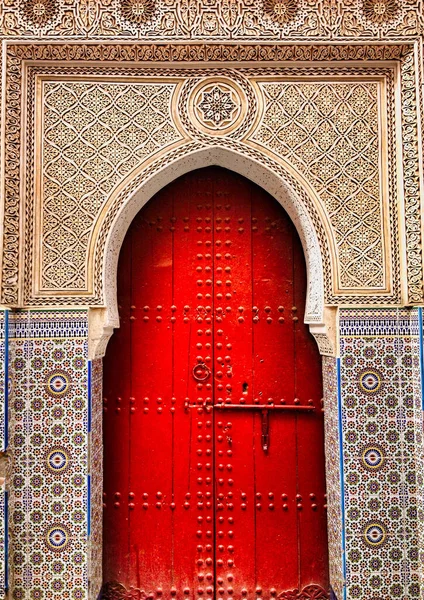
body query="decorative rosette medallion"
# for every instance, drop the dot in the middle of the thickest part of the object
(39, 15)
(217, 106)
(380, 15)
(282, 16)
(136, 16)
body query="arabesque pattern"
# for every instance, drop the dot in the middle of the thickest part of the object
(94, 135)
(129, 54)
(210, 19)
(330, 133)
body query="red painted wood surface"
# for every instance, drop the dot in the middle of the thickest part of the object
(207, 494)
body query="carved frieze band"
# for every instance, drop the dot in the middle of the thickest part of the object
(92, 134)
(212, 19)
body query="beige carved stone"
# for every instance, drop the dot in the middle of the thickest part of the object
(334, 133)
(206, 19)
(96, 128)
(91, 136)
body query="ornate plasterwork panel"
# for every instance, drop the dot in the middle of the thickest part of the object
(213, 19)
(91, 134)
(197, 104)
(333, 132)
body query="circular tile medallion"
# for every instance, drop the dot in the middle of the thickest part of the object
(57, 460)
(57, 538)
(58, 383)
(373, 458)
(370, 381)
(375, 534)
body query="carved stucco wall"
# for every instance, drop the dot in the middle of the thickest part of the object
(94, 133)
(214, 19)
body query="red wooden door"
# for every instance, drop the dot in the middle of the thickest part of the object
(214, 464)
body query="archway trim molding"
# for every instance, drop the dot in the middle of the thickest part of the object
(276, 180)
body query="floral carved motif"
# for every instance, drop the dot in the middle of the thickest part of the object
(117, 591)
(224, 20)
(137, 12)
(217, 106)
(411, 183)
(381, 11)
(39, 13)
(310, 592)
(281, 11)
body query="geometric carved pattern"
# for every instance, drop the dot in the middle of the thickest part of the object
(114, 55)
(330, 132)
(411, 105)
(212, 19)
(216, 106)
(94, 135)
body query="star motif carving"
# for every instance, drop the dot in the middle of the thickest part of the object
(380, 11)
(281, 11)
(217, 106)
(39, 12)
(138, 12)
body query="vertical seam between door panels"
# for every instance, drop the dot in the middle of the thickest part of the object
(129, 415)
(253, 387)
(189, 182)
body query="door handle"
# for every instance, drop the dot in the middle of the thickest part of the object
(201, 372)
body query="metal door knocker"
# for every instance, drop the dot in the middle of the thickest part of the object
(201, 372)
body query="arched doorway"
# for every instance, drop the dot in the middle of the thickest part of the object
(213, 430)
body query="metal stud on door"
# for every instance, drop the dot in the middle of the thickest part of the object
(214, 467)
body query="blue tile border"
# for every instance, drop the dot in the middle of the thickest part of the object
(45, 324)
(6, 380)
(342, 489)
(377, 322)
(421, 334)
